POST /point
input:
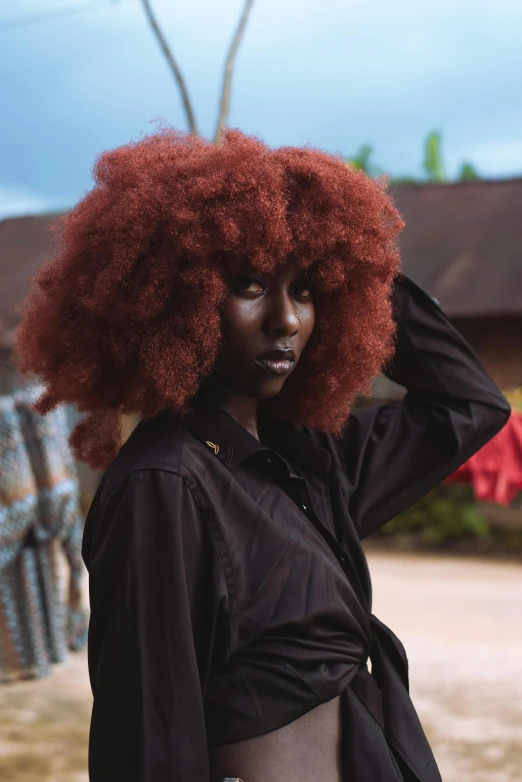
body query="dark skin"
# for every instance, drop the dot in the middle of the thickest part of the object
(261, 313)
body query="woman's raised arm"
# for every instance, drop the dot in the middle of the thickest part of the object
(394, 454)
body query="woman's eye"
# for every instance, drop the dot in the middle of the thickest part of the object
(304, 290)
(249, 285)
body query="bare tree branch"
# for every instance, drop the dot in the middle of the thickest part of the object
(172, 64)
(229, 67)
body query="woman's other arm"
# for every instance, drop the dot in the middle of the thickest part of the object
(394, 454)
(155, 611)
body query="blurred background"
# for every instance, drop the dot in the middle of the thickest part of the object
(429, 95)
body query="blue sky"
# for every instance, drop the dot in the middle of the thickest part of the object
(331, 73)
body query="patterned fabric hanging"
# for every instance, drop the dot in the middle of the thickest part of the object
(39, 512)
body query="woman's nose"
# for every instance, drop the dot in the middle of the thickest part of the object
(282, 316)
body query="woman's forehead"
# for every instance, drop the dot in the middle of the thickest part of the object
(273, 267)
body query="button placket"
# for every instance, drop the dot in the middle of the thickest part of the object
(299, 491)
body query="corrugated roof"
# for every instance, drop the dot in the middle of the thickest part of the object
(462, 243)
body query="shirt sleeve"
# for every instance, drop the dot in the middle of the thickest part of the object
(394, 454)
(158, 614)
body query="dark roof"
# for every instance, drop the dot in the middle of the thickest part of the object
(24, 246)
(463, 244)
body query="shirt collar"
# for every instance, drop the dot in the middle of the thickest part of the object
(232, 444)
(293, 443)
(216, 429)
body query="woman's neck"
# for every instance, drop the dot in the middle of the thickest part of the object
(243, 409)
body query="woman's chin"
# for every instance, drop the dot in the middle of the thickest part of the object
(270, 388)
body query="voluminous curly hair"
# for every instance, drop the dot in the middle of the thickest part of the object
(126, 316)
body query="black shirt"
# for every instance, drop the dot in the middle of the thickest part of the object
(229, 591)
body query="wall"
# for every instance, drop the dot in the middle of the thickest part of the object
(8, 378)
(498, 342)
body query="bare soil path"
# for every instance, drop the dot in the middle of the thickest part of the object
(461, 623)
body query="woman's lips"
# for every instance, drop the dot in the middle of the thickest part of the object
(275, 365)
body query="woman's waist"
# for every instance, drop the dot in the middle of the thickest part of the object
(304, 750)
(256, 696)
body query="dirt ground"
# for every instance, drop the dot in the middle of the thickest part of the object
(461, 623)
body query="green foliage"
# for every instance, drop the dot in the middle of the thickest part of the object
(396, 181)
(362, 161)
(433, 164)
(445, 515)
(468, 172)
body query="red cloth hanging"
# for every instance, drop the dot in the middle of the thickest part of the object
(495, 471)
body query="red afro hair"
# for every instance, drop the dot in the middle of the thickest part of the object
(126, 317)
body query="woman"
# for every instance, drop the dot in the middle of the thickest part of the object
(238, 298)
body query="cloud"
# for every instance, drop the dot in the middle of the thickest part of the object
(332, 73)
(17, 201)
(497, 157)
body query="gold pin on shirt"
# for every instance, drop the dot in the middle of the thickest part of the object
(214, 446)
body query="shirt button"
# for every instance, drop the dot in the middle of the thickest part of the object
(342, 560)
(304, 507)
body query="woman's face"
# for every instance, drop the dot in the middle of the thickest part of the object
(267, 321)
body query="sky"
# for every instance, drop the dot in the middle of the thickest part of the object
(81, 76)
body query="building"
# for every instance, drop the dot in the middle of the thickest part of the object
(463, 244)
(25, 245)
